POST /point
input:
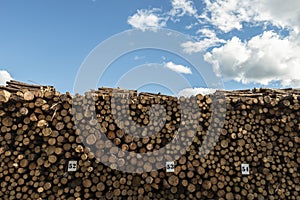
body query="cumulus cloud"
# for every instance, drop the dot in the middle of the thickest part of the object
(208, 39)
(263, 59)
(227, 15)
(187, 92)
(147, 20)
(153, 19)
(178, 68)
(231, 14)
(183, 7)
(4, 76)
(283, 14)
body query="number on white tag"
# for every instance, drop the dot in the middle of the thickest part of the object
(72, 166)
(170, 166)
(245, 169)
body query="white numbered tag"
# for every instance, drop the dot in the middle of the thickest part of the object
(245, 169)
(72, 166)
(170, 166)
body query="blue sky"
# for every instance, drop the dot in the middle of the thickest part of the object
(247, 44)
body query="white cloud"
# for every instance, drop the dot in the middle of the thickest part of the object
(183, 7)
(202, 45)
(147, 20)
(230, 14)
(4, 76)
(187, 92)
(227, 15)
(206, 32)
(208, 39)
(138, 57)
(265, 58)
(190, 26)
(262, 59)
(178, 68)
(280, 13)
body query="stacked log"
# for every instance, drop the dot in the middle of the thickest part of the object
(39, 138)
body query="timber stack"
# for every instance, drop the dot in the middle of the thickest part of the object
(40, 135)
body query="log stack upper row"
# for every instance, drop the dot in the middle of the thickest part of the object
(39, 137)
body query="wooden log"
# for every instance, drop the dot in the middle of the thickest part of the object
(4, 96)
(28, 96)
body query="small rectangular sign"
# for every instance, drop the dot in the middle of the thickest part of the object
(72, 166)
(170, 166)
(245, 169)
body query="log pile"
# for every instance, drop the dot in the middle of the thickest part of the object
(39, 137)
